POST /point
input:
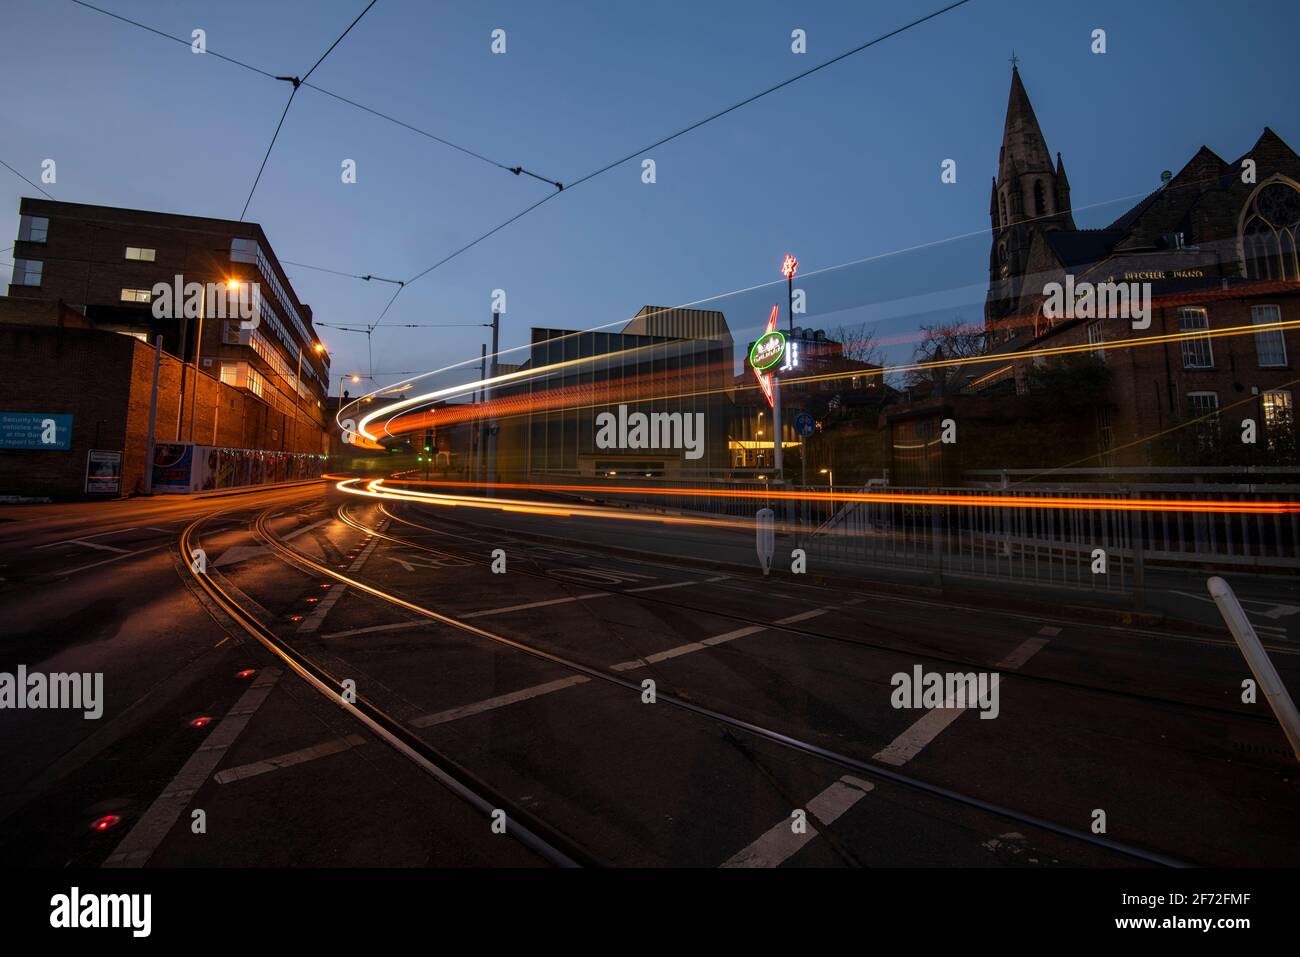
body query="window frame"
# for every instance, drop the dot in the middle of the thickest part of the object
(135, 298)
(140, 257)
(1281, 339)
(23, 267)
(1191, 343)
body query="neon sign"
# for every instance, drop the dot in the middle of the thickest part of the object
(768, 350)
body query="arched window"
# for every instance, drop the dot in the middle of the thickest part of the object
(1002, 200)
(1040, 199)
(1268, 233)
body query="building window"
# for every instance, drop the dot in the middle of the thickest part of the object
(1270, 346)
(255, 383)
(136, 295)
(1269, 232)
(1095, 338)
(1002, 203)
(141, 253)
(33, 229)
(230, 373)
(1040, 200)
(1105, 437)
(1203, 410)
(1197, 353)
(1278, 419)
(27, 272)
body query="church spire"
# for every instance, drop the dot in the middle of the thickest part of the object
(1024, 150)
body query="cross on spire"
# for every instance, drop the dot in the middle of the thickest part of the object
(1014, 59)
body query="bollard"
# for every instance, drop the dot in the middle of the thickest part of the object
(1260, 665)
(765, 537)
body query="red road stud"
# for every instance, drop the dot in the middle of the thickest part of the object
(246, 673)
(105, 822)
(295, 617)
(201, 722)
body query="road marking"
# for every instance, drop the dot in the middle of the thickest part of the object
(535, 604)
(109, 561)
(395, 626)
(927, 727)
(500, 701)
(661, 587)
(711, 642)
(317, 617)
(778, 844)
(83, 540)
(288, 760)
(242, 553)
(1051, 631)
(139, 845)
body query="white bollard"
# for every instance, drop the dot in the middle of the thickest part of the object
(1260, 665)
(765, 537)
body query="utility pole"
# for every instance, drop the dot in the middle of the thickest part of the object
(198, 348)
(480, 461)
(488, 392)
(153, 417)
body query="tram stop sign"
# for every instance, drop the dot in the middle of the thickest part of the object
(805, 424)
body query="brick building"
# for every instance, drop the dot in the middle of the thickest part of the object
(79, 324)
(1215, 247)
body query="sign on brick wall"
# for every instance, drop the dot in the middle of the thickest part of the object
(35, 430)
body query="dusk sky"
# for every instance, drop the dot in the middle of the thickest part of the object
(840, 167)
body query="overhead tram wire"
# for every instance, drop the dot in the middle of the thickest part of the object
(25, 180)
(682, 132)
(516, 170)
(297, 82)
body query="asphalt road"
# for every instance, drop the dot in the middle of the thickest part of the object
(772, 699)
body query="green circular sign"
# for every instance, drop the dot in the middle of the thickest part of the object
(768, 350)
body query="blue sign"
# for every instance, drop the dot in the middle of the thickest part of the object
(805, 424)
(35, 430)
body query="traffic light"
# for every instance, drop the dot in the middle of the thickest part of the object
(428, 440)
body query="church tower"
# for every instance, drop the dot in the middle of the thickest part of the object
(1030, 195)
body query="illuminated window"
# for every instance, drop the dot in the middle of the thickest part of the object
(1197, 353)
(33, 229)
(141, 253)
(27, 272)
(136, 295)
(1269, 344)
(1095, 338)
(230, 373)
(1277, 408)
(255, 383)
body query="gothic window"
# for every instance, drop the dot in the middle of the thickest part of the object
(1268, 234)
(1040, 199)
(1002, 199)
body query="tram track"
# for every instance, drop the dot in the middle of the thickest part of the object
(731, 722)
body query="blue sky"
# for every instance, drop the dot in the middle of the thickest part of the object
(839, 168)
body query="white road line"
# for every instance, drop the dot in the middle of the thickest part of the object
(139, 845)
(82, 540)
(288, 760)
(1051, 631)
(926, 728)
(317, 617)
(661, 587)
(778, 844)
(109, 561)
(395, 626)
(500, 701)
(710, 642)
(535, 604)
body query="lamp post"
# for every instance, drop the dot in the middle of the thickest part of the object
(830, 480)
(231, 284)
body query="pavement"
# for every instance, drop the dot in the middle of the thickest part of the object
(667, 706)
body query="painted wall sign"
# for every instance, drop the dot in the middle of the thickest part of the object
(51, 431)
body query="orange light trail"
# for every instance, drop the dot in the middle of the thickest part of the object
(1101, 503)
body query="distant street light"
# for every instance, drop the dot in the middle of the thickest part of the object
(830, 480)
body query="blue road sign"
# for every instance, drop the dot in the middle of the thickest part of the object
(35, 430)
(805, 424)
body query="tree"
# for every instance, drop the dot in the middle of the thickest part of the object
(940, 343)
(859, 342)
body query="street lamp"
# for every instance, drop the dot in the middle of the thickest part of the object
(830, 480)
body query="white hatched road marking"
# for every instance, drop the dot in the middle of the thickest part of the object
(139, 845)
(300, 756)
(500, 701)
(779, 843)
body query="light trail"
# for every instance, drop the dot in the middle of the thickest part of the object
(974, 500)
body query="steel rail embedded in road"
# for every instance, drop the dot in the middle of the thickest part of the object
(867, 768)
(538, 837)
(811, 633)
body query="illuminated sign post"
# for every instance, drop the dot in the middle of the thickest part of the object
(765, 355)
